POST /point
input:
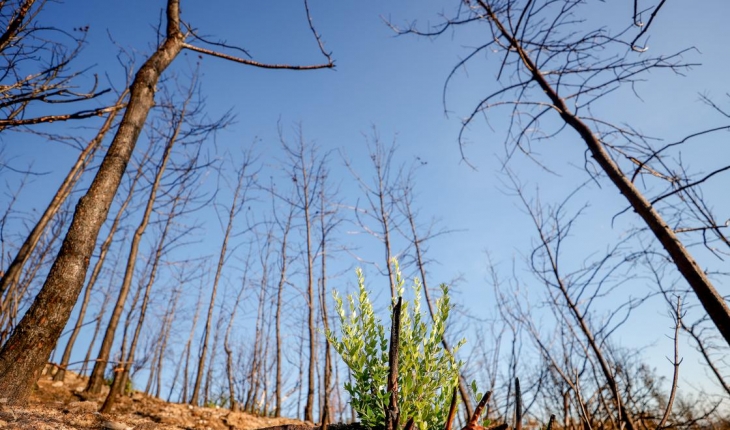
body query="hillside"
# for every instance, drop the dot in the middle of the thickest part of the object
(58, 407)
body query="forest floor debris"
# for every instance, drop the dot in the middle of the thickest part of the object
(62, 406)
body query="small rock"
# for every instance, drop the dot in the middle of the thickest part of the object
(3, 400)
(111, 425)
(57, 384)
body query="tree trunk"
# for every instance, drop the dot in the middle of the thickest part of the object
(280, 288)
(17, 294)
(97, 327)
(410, 216)
(325, 416)
(309, 405)
(120, 378)
(169, 319)
(257, 362)
(187, 349)
(235, 207)
(227, 343)
(211, 361)
(26, 352)
(104, 249)
(96, 379)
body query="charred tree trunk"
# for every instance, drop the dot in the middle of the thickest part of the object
(283, 260)
(121, 377)
(39, 259)
(238, 198)
(25, 353)
(227, 344)
(309, 405)
(104, 249)
(325, 416)
(187, 349)
(97, 374)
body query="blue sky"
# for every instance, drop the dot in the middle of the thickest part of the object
(396, 84)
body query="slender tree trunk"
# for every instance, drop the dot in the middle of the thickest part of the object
(96, 379)
(24, 355)
(97, 327)
(211, 362)
(268, 367)
(257, 367)
(235, 207)
(410, 216)
(38, 260)
(340, 404)
(155, 379)
(381, 196)
(120, 378)
(300, 377)
(311, 300)
(227, 343)
(60, 375)
(161, 345)
(188, 348)
(622, 413)
(326, 413)
(385, 219)
(169, 320)
(6, 215)
(283, 260)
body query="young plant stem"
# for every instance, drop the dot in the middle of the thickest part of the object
(409, 424)
(550, 423)
(391, 412)
(474, 420)
(452, 411)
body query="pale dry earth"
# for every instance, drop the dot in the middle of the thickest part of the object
(56, 406)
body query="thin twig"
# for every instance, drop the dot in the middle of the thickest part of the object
(5, 123)
(645, 27)
(256, 63)
(327, 55)
(675, 363)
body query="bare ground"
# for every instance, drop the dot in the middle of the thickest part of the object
(56, 406)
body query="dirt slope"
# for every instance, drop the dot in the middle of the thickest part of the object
(56, 406)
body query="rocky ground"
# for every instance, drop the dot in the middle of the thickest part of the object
(59, 406)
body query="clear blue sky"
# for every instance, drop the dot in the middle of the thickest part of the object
(395, 84)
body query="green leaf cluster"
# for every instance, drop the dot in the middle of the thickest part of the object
(427, 373)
